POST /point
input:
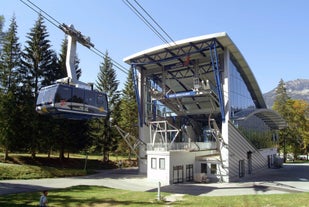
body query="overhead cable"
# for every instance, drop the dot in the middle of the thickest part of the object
(51, 20)
(167, 40)
(57, 24)
(169, 37)
(148, 24)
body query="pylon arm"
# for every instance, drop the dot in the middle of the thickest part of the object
(133, 142)
(71, 31)
(74, 36)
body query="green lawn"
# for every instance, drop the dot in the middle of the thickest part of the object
(93, 196)
(13, 171)
(82, 196)
(22, 166)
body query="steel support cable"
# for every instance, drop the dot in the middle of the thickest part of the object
(169, 37)
(152, 27)
(57, 24)
(44, 13)
(148, 24)
(116, 64)
(40, 12)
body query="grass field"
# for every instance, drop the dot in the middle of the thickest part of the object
(23, 167)
(85, 196)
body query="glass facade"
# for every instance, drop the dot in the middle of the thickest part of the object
(241, 102)
(239, 95)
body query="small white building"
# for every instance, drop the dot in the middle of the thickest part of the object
(201, 112)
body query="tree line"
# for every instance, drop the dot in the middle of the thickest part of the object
(24, 70)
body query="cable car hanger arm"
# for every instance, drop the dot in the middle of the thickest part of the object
(74, 36)
(71, 31)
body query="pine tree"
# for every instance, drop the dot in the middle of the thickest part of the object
(281, 99)
(10, 59)
(281, 106)
(103, 133)
(107, 81)
(39, 60)
(128, 114)
(1, 32)
(39, 68)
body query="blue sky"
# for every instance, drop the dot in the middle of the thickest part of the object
(272, 35)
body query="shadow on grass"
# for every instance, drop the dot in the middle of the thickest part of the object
(198, 189)
(289, 172)
(68, 163)
(79, 196)
(13, 188)
(21, 199)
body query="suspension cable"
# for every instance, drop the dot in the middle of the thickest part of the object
(57, 24)
(52, 21)
(158, 25)
(148, 24)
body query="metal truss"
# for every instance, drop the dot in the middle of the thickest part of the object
(163, 132)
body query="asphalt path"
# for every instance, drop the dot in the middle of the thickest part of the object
(290, 178)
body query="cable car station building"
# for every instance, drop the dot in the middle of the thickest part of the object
(198, 106)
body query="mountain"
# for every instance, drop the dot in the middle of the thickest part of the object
(296, 89)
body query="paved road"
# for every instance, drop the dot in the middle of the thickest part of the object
(290, 178)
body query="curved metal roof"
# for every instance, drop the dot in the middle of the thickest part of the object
(159, 54)
(271, 118)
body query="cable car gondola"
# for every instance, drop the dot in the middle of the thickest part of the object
(70, 98)
(70, 102)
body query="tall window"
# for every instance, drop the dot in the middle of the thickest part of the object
(213, 169)
(203, 168)
(241, 168)
(162, 163)
(153, 163)
(239, 95)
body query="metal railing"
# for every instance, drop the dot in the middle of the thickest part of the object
(187, 146)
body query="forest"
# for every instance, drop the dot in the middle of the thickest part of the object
(24, 69)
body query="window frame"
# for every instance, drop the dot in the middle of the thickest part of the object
(153, 163)
(214, 170)
(160, 164)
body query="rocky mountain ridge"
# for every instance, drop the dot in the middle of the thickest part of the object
(296, 89)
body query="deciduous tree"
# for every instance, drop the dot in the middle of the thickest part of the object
(295, 136)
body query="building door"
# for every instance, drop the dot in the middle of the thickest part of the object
(178, 174)
(189, 172)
